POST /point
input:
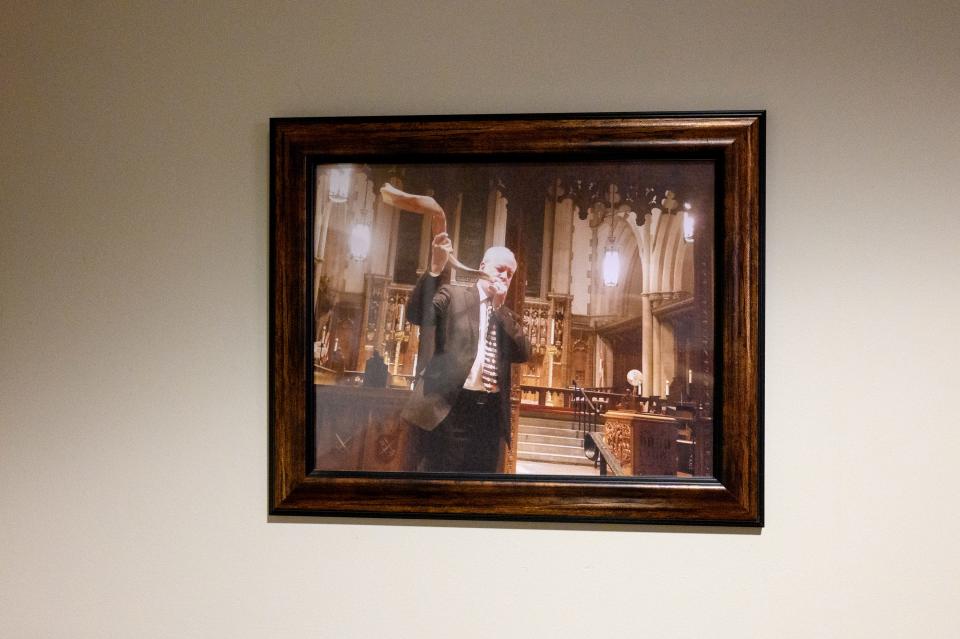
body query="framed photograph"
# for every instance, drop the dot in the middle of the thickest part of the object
(524, 317)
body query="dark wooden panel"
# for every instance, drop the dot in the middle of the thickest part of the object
(655, 448)
(408, 242)
(473, 225)
(359, 428)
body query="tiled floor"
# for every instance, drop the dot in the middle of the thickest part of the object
(541, 468)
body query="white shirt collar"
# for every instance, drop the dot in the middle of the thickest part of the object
(483, 294)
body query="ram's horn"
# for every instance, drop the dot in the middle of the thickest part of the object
(426, 205)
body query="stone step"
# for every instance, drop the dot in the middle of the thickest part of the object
(536, 438)
(529, 467)
(552, 458)
(549, 430)
(553, 423)
(553, 449)
(554, 441)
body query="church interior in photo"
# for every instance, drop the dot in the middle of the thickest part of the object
(615, 289)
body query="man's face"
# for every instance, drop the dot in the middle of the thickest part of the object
(500, 269)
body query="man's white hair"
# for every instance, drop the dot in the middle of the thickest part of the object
(500, 253)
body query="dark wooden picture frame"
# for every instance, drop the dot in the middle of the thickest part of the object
(733, 141)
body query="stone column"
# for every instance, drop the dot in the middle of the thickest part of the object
(647, 344)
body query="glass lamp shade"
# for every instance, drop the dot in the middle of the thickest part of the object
(687, 226)
(359, 242)
(339, 185)
(611, 267)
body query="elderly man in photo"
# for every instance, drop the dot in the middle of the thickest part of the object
(462, 402)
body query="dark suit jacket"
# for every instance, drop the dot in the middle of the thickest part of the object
(454, 313)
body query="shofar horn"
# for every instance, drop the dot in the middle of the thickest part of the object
(426, 205)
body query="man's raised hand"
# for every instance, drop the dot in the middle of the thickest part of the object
(442, 247)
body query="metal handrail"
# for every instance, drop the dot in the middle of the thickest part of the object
(583, 393)
(586, 415)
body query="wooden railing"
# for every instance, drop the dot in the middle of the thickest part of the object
(548, 397)
(328, 377)
(605, 399)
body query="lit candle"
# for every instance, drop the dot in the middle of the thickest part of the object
(689, 375)
(668, 387)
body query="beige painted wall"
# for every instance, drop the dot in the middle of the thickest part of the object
(133, 370)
